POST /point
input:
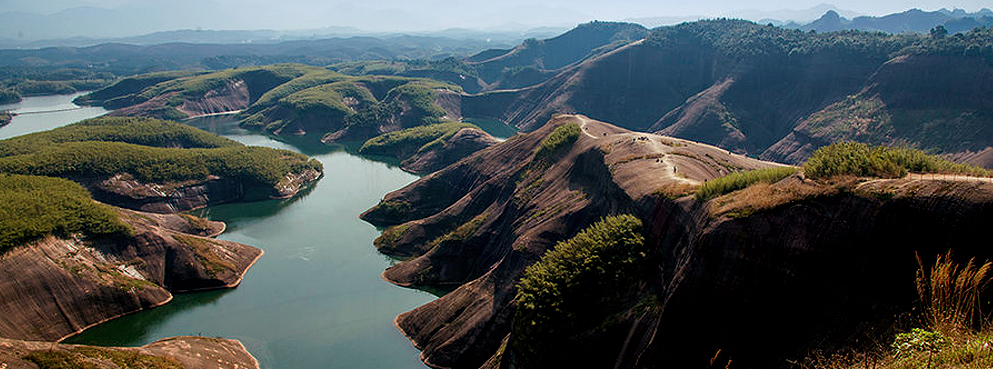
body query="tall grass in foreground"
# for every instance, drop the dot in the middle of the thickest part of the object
(950, 294)
(956, 334)
(859, 159)
(739, 180)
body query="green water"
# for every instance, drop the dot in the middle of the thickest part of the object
(496, 128)
(316, 298)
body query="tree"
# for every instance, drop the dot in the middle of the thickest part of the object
(939, 32)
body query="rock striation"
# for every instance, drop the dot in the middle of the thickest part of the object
(57, 287)
(812, 265)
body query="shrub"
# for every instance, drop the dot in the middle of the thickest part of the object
(739, 180)
(577, 284)
(918, 341)
(57, 359)
(562, 136)
(858, 159)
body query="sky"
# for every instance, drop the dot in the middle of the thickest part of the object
(142, 16)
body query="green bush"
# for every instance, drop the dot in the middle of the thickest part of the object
(57, 359)
(420, 137)
(858, 159)
(33, 207)
(9, 97)
(562, 136)
(739, 180)
(577, 284)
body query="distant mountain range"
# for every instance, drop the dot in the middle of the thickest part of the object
(914, 20)
(197, 36)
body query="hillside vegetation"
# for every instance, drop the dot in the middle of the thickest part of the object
(107, 146)
(775, 93)
(9, 97)
(412, 140)
(576, 285)
(858, 159)
(530, 63)
(138, 131)
(286, 99)
(15, 82)
(33, 207)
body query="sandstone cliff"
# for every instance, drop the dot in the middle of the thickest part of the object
(124, 191)
(477, 223)
(57, 287)
(808, 265)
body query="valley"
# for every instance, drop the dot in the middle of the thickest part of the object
(718, 191)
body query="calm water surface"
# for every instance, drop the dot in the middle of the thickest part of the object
(42, 113)
(315, 299)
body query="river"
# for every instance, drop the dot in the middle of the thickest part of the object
(316, 298)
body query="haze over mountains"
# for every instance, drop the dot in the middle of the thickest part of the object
(71, 23)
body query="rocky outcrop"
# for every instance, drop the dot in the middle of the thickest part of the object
(810, 265)
(186, 352)
(479, 222)
(124, 191)
(462, 144)
(231, 96)
(57, 287)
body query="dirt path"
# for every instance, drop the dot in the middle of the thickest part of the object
(583, 121)
(654, 142)
(946, 177)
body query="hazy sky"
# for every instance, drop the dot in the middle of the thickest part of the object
(403, 15)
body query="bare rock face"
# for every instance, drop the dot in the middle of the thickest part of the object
(462, 144)
(479, 222)
(54, 288)
(232, 96)
(808, 265)
(124, 191)
(185, 352)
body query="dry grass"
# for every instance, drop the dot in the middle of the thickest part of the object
(676, 189)
(950, 294)
(762, 196)
(957, 336)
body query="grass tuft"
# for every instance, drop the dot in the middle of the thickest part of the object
(859, 159)
(562, 136)
(739, 180)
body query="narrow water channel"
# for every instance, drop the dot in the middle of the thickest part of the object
(315, 299)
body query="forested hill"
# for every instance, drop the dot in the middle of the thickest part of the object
(775, 92)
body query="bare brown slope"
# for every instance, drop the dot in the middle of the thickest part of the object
(502, 209)
(56, 287)
(232, 96)
(188, 352)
